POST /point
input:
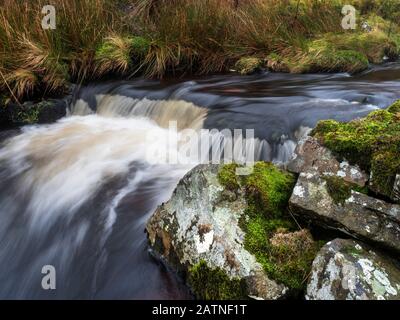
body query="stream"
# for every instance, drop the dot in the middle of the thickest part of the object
(76, 194)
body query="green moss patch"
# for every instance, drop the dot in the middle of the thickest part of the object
(227, 177)
(287, 261)
(317, 59)
(290, 257)
(268, 189)
(372, 142)
(271, 234)
(215, 284)
(29, 113)
(248, 65)
(340, 190)
(394, 108)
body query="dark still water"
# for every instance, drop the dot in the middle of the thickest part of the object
(77, 194)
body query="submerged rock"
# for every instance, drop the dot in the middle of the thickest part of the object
(346, 269)
(334, 203)
(197, 233)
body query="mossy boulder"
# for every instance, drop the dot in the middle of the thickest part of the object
(46, 111)
(230, 236)
(394, 108)
(352, 270)
(271, 233)
(197, 234)
(248, 65)
(372, 142)
(331, 202)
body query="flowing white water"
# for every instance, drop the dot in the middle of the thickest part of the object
(69, 179)
(63, 165)
(162, 112)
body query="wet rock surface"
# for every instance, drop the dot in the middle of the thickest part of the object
(347, 269)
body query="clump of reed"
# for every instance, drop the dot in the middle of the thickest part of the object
(38, 61)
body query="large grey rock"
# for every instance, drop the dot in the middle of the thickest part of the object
(346, 269)
(201, 223)
(310, 156)
(358, 214)
(44, 112)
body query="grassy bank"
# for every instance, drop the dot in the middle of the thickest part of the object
(100, 38)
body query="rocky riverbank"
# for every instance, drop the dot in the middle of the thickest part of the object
(13, 114)
(323, 227)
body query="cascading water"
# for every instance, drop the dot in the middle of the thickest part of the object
(65, 186)
(76, 194)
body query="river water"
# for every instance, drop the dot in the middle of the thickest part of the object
(77, 194)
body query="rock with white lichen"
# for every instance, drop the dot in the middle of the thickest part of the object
(311, 156)
(334, 203)
(350, 270)
(197, 234)
(373, 143)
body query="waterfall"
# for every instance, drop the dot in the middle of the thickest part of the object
(66, 187)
